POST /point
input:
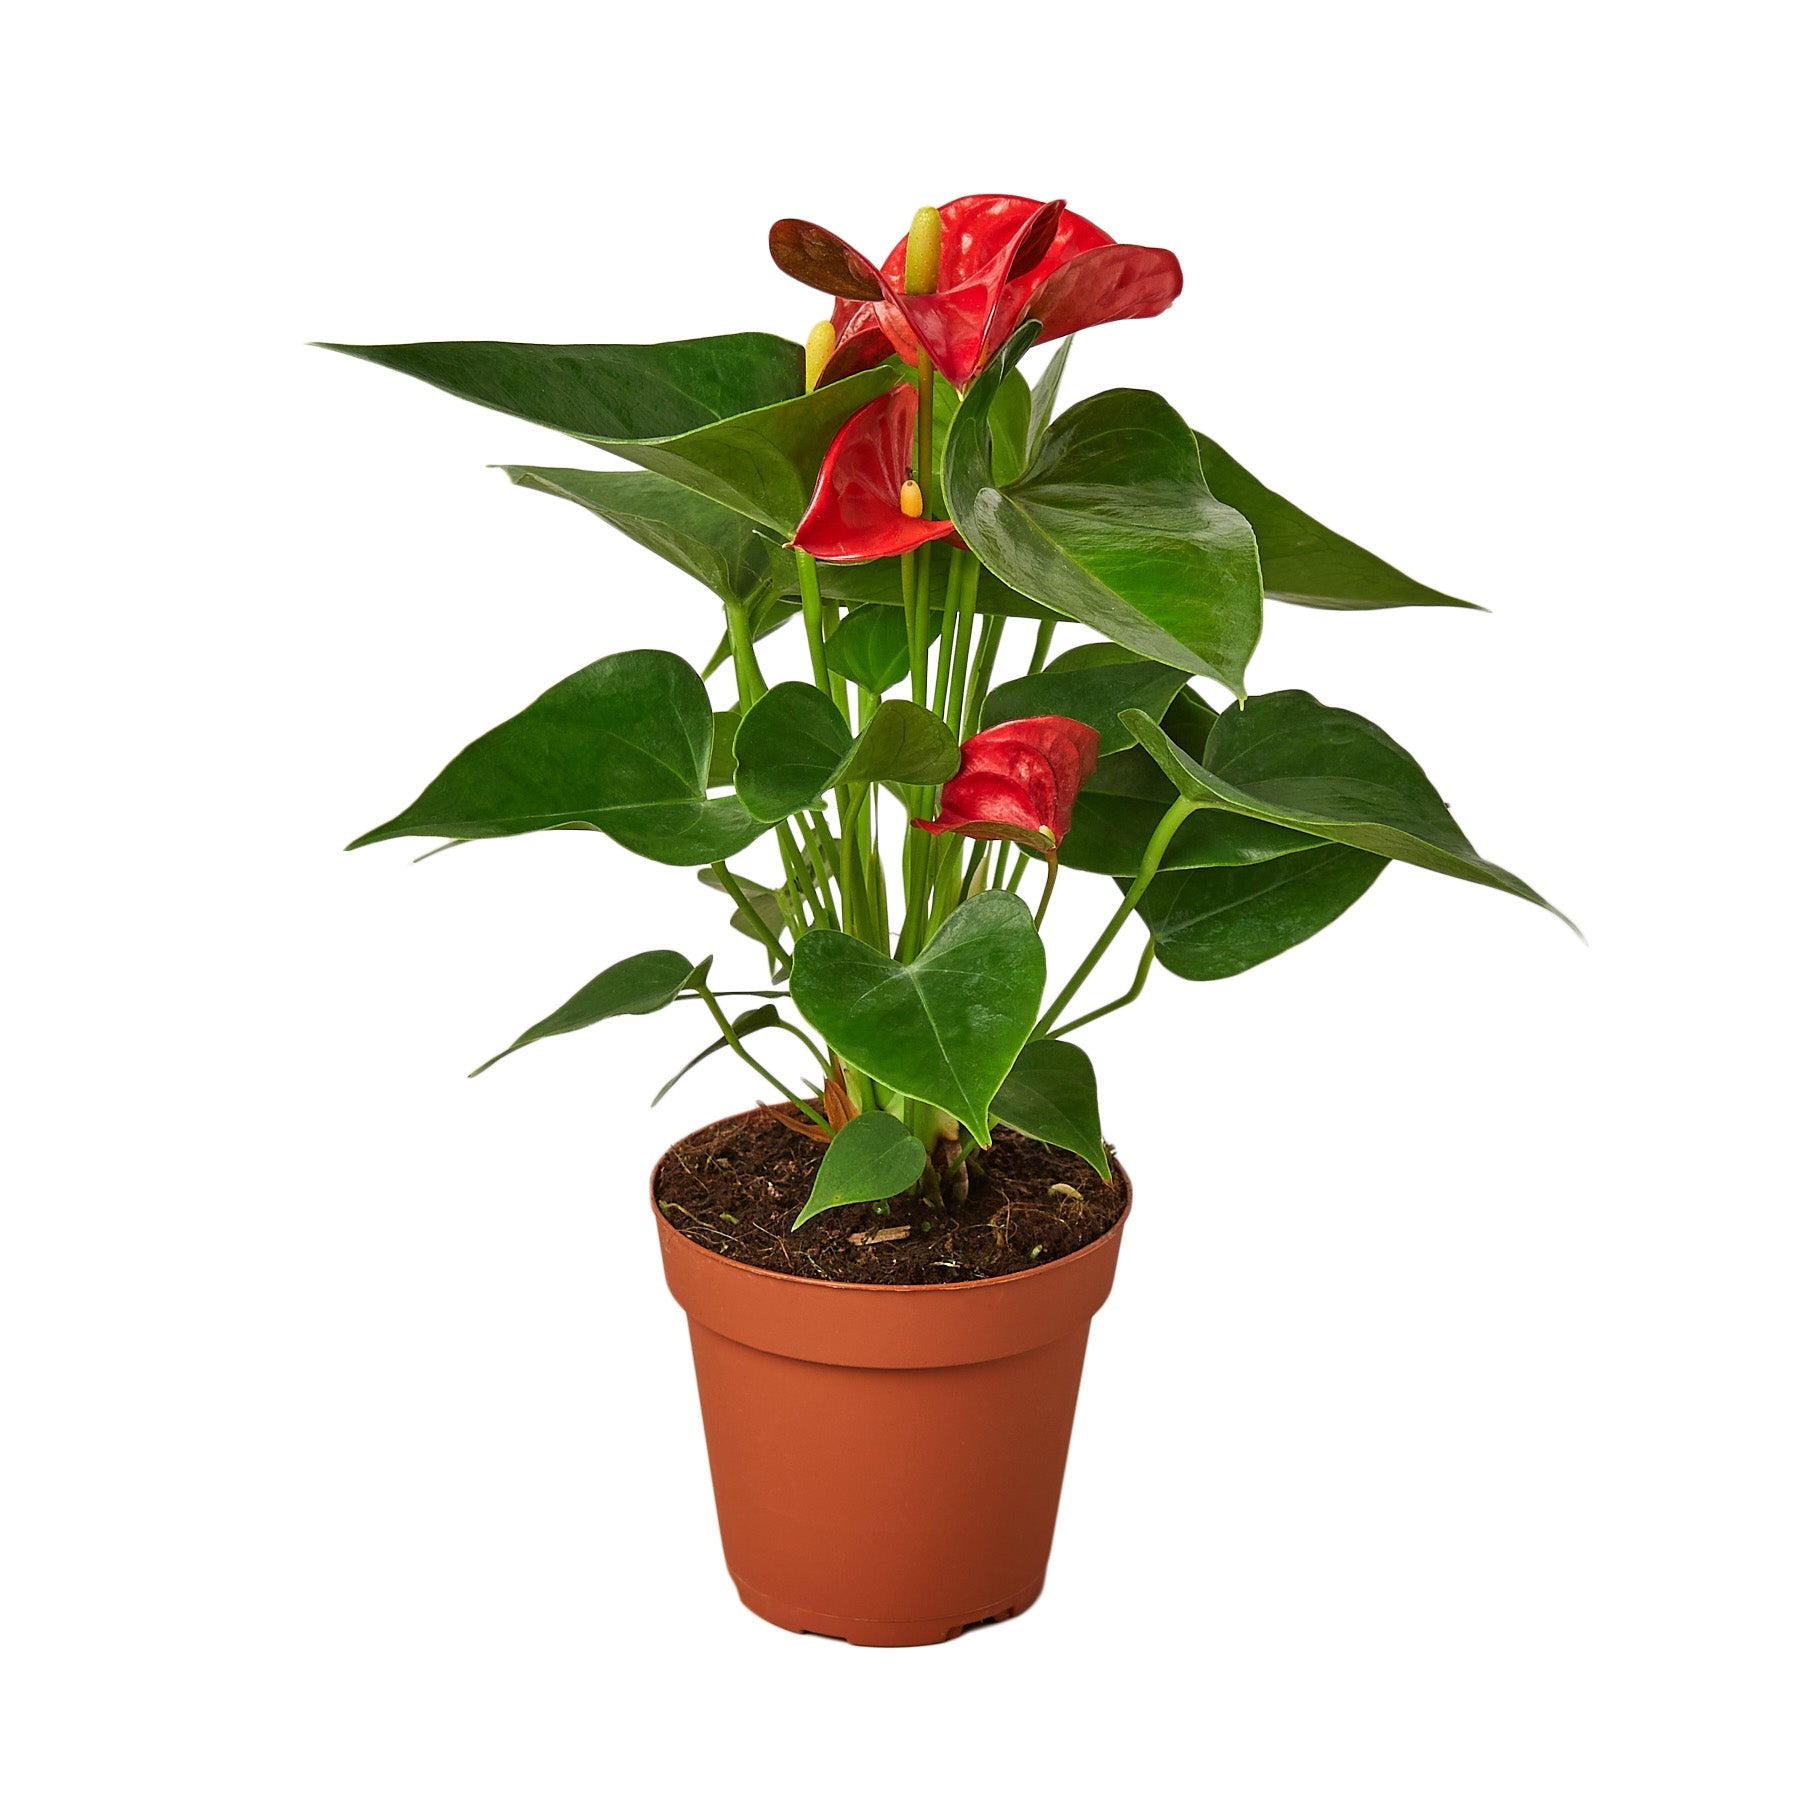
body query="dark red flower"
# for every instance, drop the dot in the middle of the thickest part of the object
(1019, 781)
(1003, 260)
(856, 512)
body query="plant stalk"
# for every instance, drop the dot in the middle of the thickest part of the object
(1154, 852)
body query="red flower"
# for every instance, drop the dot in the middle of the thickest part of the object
(856, 511)
(1003, 260)
(1019, 781)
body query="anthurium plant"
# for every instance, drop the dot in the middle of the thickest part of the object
(899, 503)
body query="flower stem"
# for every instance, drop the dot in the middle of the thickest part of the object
(964, 573)
(1040, 651)
(1043, 905)
(1154, 852)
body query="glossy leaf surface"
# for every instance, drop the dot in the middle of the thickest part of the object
(872, 1158)
(724, 416)
(794, 746)
(1303, 561)
(1113, 525)
(644, 983)
(944, 1028)
(1287, 760)
(869, 646)
(623, 746)
(1211, 923)
(1123, 802)
(1050, 1095)
(1043, 401)
(1092, 688)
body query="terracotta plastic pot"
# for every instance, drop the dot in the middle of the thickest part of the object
(887, 1460)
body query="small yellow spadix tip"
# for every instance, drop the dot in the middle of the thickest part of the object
(820, 342)
(912, 499)
(922, 245)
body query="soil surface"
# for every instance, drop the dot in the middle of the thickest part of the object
(737, 1186)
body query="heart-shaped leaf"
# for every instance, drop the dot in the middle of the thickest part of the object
(1092, 688)
(644, 983)
(1124, 800)
(1113, 524)
(794, 746)
(905, 743)
(725, 416)
(944, 1028)
(623, 746)
(869, 647)
(872, 1158)
(758, 1018)
(1211, 923)
(1050, 1095)
(1287, 760)
(1307, 563)
(789, 749)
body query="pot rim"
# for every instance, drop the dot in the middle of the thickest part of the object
(888, 1287)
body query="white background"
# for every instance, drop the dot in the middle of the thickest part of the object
(1439, 1439)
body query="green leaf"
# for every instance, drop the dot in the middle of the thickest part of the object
(1050, 1095)
(1093, 689)
(1124, 800)
(1211, 923)
(1009, 419)
(789, 748)
(1307, 563)
(1114, 525)
(1287, 760)
(903, 742)
(944, 1028)
(758, 1018)
(623, 746)
(764, 900)
(1043, 400)
(869, 647)
(724, 416)
(872, 1157)
(720, 548)
(644, 983)
(794, 746)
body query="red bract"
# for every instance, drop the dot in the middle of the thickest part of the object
(855, 513)
(1003, 259)
(1019, 781)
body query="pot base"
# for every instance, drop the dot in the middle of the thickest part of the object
(885, 1634)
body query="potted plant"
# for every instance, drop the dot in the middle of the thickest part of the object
(889, 1272)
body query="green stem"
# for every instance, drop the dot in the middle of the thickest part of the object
(1153, 855)
(1040, 651)
(812, 612)
(1125, 999)
(819, 1055)
(698, 983)
(986, 651)
(975, 862)
(1017, 878)
(815, 832)
(917, 609)
(729, 882)
(969, 572)
(1043, 905)
(750, 683)
(799, 874)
